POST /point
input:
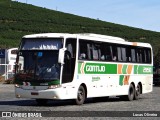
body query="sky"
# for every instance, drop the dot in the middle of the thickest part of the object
(135, 13)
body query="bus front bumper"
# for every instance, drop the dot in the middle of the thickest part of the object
(58, 93)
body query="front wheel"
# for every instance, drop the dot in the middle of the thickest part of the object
(81, 95)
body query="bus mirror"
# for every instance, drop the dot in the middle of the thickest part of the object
(61, 55)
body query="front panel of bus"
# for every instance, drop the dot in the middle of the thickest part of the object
(41, 72)
(40, 65)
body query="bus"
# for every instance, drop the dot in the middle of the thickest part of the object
(11, 55)
(11, 59)
(60, 66)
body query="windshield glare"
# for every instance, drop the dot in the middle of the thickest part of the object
(41, 44)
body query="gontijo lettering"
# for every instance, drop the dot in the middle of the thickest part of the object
(95, 68)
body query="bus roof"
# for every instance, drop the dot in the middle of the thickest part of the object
(50, 35)
(87, 36)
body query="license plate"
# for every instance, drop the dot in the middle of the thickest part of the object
(34, 93)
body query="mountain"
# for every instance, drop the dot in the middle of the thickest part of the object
(18, 19)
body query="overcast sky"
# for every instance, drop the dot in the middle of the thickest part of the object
(136, 13)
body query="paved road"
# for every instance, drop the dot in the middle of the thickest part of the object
(147, 102)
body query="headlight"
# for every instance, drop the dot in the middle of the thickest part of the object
(54, 86)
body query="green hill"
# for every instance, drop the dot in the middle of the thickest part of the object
(18, 19)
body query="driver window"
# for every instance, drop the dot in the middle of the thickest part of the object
(69, 61)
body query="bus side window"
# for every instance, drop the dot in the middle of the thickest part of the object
(105, 52)
(144, 60)
(123, 50)
(133, 55)
(102, 49)
(121, 54)
(85, 50)
(148, 55)
(139, 55)
(89, 51)
(114, 53)
(128, 54)
(82, 50)
(96, 52)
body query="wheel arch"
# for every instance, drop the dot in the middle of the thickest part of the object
(133, 84)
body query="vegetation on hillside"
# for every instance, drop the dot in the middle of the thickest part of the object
(18, 19)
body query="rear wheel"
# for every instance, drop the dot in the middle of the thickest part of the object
(137, 92)
(81, 95)
(131, 94)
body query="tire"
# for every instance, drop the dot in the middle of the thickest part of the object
(137, 92)
(131, 94)
(81, 95)
(41, 101)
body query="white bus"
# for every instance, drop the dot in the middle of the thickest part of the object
(11, 59)
(62, 66)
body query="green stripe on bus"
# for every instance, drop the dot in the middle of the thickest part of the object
(121, 78)
(124, 69)
(97, 68)
(142, 69)
(102, 68)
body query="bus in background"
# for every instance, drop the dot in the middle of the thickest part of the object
(79, 66)
(11, 55)
(10, 60)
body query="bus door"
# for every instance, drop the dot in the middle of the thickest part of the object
(69, 61)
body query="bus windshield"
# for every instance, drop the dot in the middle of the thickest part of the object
(40, 65)
(40, 60)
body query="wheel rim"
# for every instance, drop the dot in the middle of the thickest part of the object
(138, 91)
(80, 95)
(131, 93)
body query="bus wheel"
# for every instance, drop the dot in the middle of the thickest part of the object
(131, 93)
(80, 96)
(137, 92)
(41, 101)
